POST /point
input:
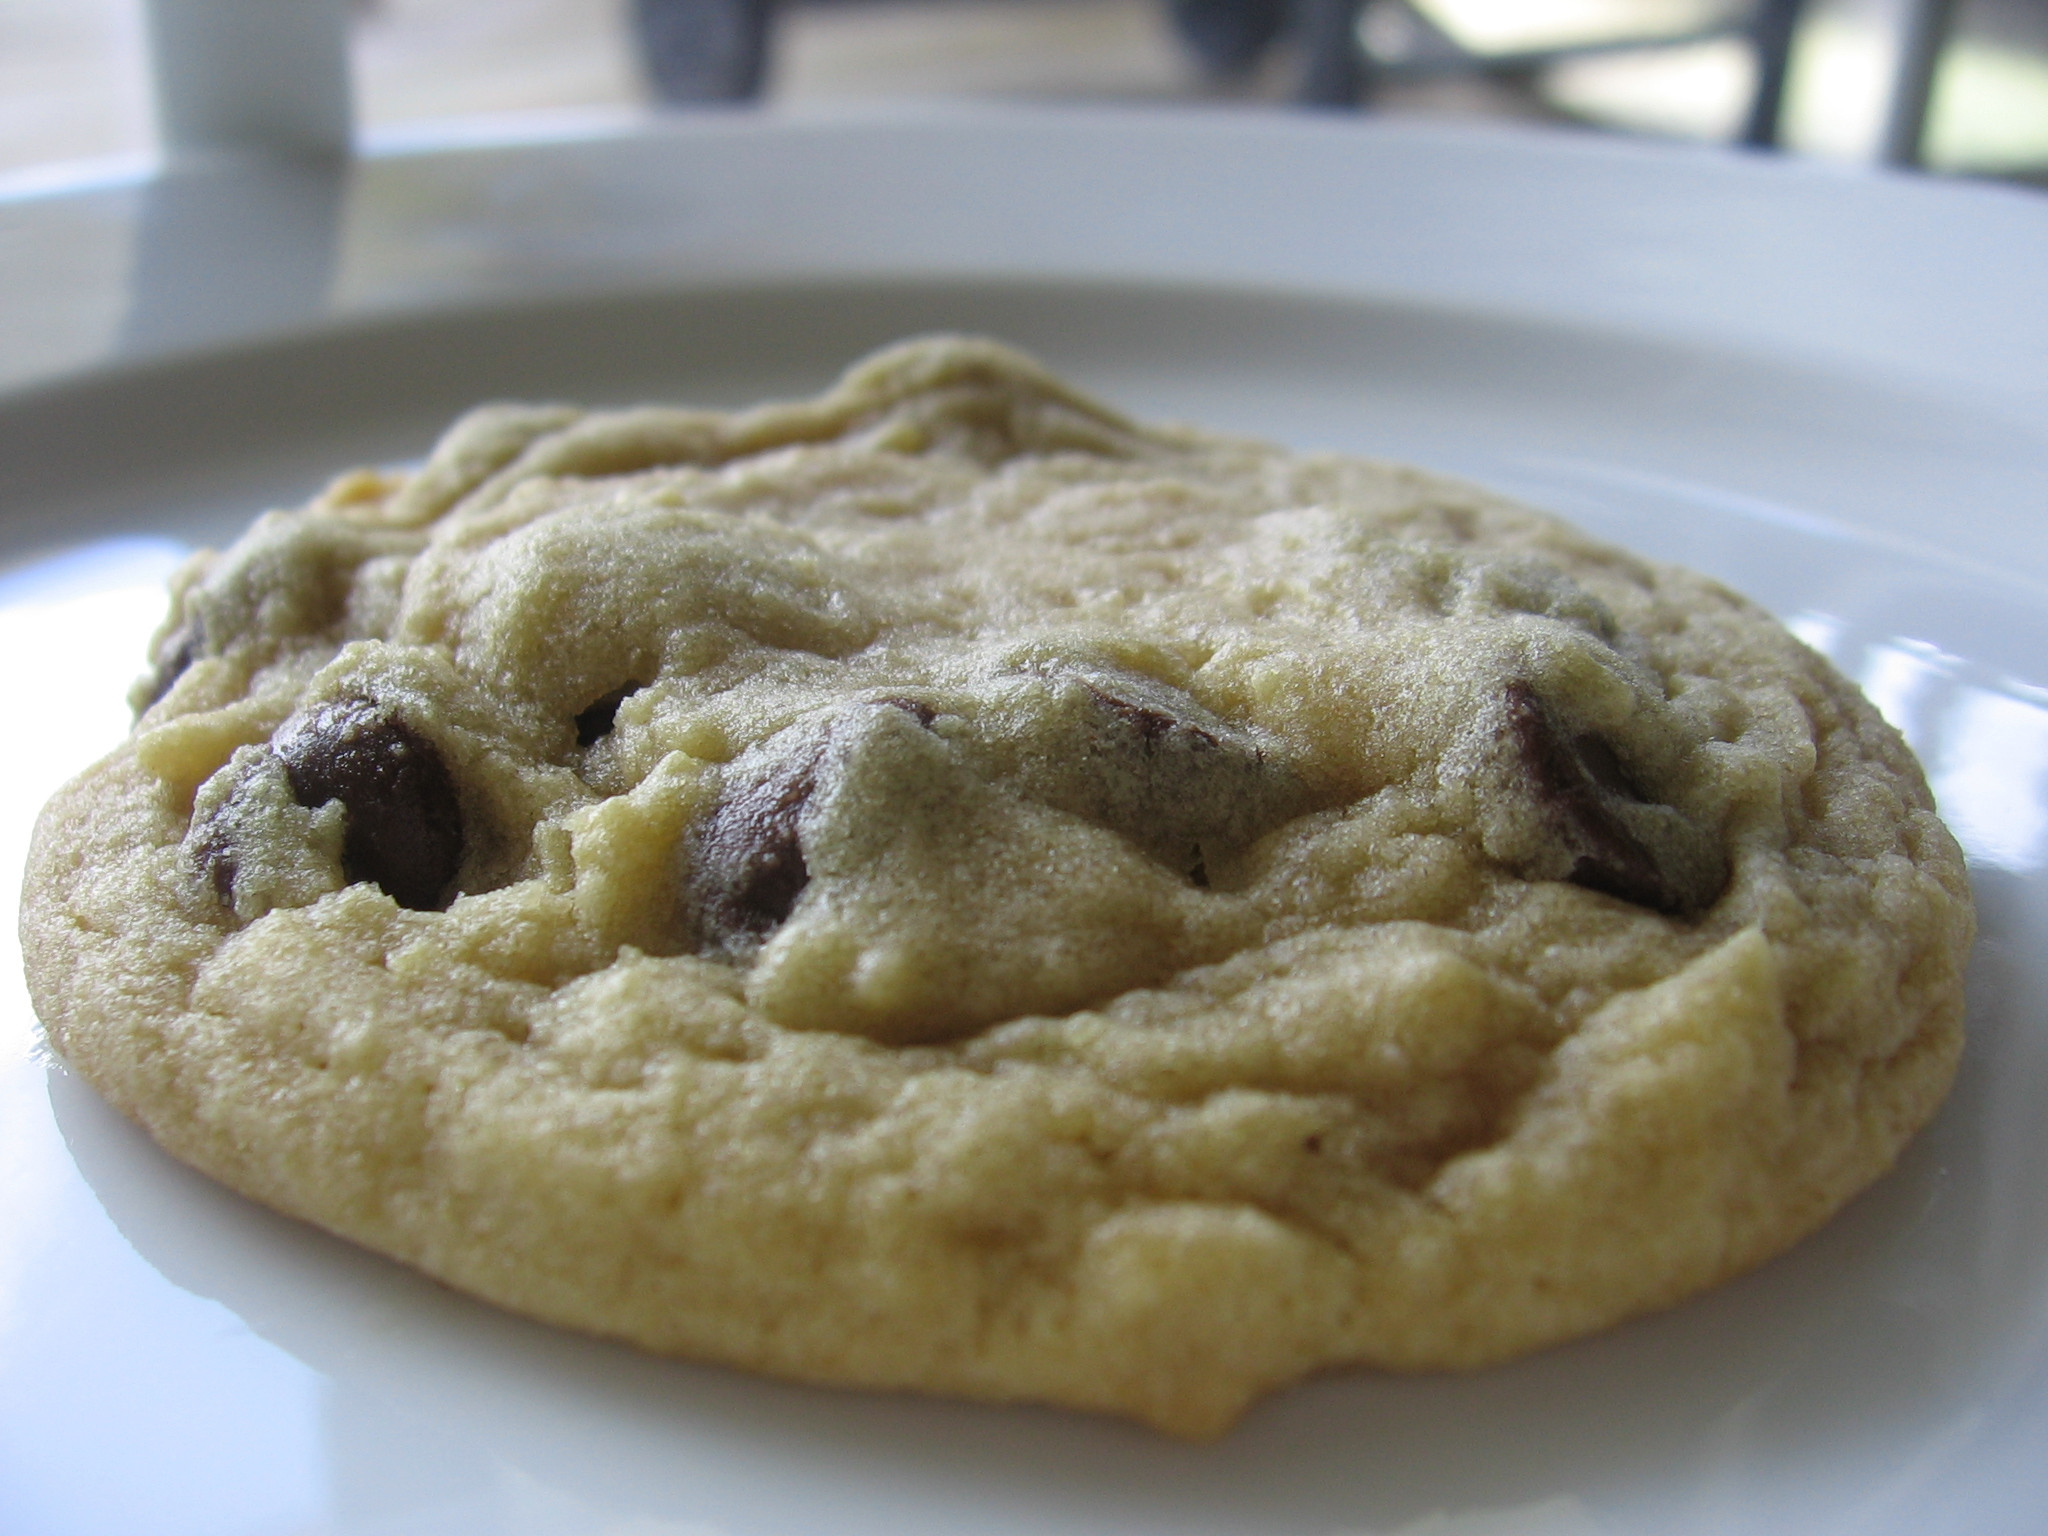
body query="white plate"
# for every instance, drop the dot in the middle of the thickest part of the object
(1795, 381)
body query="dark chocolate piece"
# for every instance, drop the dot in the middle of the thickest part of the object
(1147, 771)
(171, 659)
(1152, 725)
(750, 864)
(748, 860)
(404, 827)
(924, 712)
(213, 851)
(1581, 785)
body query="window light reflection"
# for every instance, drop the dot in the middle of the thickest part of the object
(1990, 777)
(1985, 748)
(1904, 678)
(1820, 630)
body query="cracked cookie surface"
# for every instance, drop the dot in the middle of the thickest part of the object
(940, 886)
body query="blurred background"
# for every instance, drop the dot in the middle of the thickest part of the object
(73, 76)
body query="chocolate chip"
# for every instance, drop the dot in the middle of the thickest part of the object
(1152, 725)
(254, 846)
(924, 712)
(171, 658)
(1126, 753)
(1605, 769)
(1144, 761)
(748, 866)
(1606, 833)
(595, 723)
(213, 850)
(404, 828)
(749, 862)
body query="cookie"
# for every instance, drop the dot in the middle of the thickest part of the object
(942, 887)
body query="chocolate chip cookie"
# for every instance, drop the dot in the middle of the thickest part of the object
(940, 886)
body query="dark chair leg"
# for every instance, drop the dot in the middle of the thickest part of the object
(703, 50)
(1335, 71)
(1228, 37)
(1924, 35)
(1771, 33)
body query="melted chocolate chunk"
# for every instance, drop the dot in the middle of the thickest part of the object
(213, 850)
(1582, 787)
(1152, 725)
(404, 828)
(595, 723)
(924, 712)
(172, 658)
(749, 861)
(1128, 761)
(1146, 771)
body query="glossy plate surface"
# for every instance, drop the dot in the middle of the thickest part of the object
(1649, 349)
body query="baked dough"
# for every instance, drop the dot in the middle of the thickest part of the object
(941, 887)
